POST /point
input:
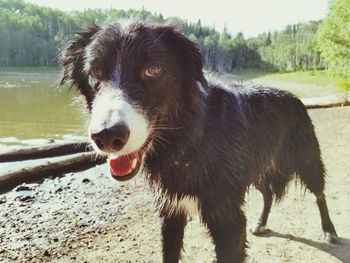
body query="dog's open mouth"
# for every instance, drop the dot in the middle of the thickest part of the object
(125, 167)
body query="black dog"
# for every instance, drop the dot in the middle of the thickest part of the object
(200, 145)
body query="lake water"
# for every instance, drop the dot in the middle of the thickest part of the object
(33, 109)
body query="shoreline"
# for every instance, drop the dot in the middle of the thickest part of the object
(89, 217)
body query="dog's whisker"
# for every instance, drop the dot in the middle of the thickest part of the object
(158, 140)
(159, 136)
(164, 129)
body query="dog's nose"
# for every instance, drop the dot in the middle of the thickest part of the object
(111, 139)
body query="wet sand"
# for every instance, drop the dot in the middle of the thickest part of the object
(89, 217)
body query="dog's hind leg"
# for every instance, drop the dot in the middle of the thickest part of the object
(327, 225)
(312, 174)
(267, 195)
(173, 227)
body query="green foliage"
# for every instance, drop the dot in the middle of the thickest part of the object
(334, 39)
(343, 85)
(30, 35)
(27, 34)
(290, 49)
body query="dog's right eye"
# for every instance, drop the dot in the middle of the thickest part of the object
(96, 73)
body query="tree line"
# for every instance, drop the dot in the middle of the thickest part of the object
(333, 41)
(30, 36)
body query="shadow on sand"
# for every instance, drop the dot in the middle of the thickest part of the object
(340, 250)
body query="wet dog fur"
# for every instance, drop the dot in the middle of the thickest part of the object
(207, 143)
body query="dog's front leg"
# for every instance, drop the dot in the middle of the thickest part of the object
(228, 230)
(173, 227)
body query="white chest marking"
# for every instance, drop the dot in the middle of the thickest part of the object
(186, 204)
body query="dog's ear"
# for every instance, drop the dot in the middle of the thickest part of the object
(72, 60)
(188, 52)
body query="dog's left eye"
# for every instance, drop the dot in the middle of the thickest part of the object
(152, 71)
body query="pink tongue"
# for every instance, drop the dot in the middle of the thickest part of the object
(123, 165)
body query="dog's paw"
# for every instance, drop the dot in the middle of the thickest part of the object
(331, 237)
(258, 230)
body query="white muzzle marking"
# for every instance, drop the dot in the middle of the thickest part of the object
(110, 108)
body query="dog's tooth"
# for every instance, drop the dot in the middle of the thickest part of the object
(134, 163)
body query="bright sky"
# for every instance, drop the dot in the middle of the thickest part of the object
(248, 16)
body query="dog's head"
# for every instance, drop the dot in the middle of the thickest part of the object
(132, 78)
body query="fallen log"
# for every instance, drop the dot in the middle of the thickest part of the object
(51, 150)
(11, 179)
(326, 102)
(27, 175)
(327, 105)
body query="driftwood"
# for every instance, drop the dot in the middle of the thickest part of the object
(324, 106)
(54, 150)
(326, 102)
(27, 175)
(51, 150)
(84, 161)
